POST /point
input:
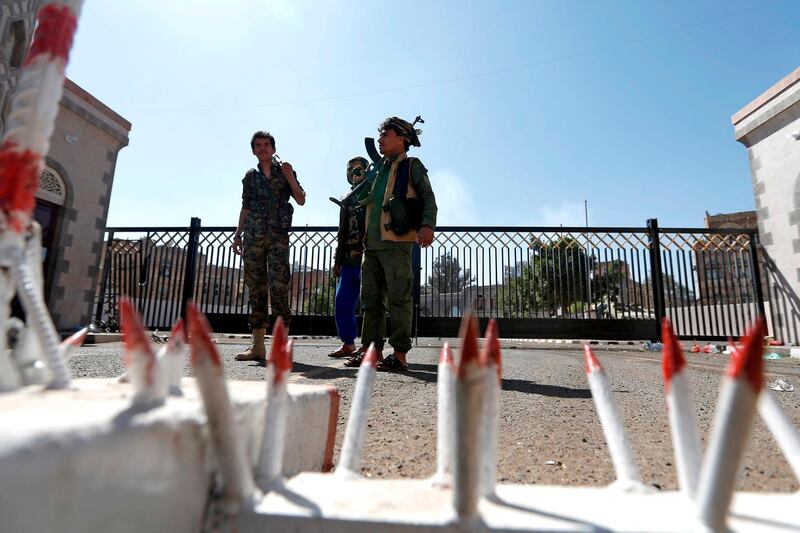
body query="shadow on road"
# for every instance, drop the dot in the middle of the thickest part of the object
(323, 372)
(529, 387)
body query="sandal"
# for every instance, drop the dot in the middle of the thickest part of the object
(342, 352)
(392, 364)
(355, 360)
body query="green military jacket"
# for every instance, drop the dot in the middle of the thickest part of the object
(381, 239)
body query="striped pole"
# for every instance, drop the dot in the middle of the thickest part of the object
(353, 442)
(786, 435)
(445, 419)
(172, 357)
(470, 385)
(736, 410)
(682, 419)
(144, 372)
(273, 438)
(494, 381)
(238, 485)
(618, 445)
(26, 140)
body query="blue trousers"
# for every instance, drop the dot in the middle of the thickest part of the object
(347, 290)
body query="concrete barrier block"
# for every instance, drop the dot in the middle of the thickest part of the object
(84, 460)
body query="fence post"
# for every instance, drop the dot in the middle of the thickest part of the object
(106, 262)
(190, 270)
(754, 244)
(656, 275)
(416, 267)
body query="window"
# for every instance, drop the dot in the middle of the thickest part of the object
(14, 44)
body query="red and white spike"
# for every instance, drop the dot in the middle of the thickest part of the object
(734, 419)
(171, 358)
(353, 441)
(273, 439)
(144, 373)
(619, 447)
(445, 419)
(72, 343)
(494, 381)
(682, 419)
(238, 486)
(786, 435)
(470, 387)
(28, 127)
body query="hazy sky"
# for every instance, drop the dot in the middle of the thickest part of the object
(530, 108)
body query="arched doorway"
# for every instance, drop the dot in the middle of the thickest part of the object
(50, 199)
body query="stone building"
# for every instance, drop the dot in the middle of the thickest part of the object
(75, 186)
(769, 127)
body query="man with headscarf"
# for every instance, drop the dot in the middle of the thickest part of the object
(400, 211)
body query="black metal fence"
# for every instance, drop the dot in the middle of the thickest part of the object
(548, 282)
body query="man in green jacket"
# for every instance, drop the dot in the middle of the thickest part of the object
(386, 272)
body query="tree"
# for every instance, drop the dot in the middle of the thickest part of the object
(447, 277)
(561, 266)
(554, 280)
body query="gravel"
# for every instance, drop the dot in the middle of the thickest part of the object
(546, 412)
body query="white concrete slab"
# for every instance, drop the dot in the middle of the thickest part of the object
(81, 460)
(328, 503)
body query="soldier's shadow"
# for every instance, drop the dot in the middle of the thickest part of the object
(323, 372)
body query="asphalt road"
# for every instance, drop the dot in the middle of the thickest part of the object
(546, 411)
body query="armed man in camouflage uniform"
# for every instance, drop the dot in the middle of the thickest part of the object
(265, 221)
(386, 272)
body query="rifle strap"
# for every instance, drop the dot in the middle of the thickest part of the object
(401, 178)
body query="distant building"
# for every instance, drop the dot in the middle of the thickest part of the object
(724, 265)
(75, 186)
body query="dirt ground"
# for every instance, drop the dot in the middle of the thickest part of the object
(546, 412)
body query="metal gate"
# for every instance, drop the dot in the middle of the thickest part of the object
(538, 282)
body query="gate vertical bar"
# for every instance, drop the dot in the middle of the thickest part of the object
(657, 277)
(101, 298)
(754, 244)
(190, 269)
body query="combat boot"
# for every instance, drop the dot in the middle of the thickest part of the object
(257, 351)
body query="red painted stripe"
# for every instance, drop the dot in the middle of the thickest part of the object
(592, 363)
(177, 337)
(200, 336)
(55, 28)
(747, 361)
(135, 338)
(19, 180)
(672, 361)
(77, 338)
(469, 344)
(446, 355)
(333, 419)
(492, 348)
(371, 358)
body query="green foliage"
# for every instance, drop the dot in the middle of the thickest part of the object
(555, 280)
(447, 276)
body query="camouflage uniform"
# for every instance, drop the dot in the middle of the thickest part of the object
(266, 244)
(386, 273)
